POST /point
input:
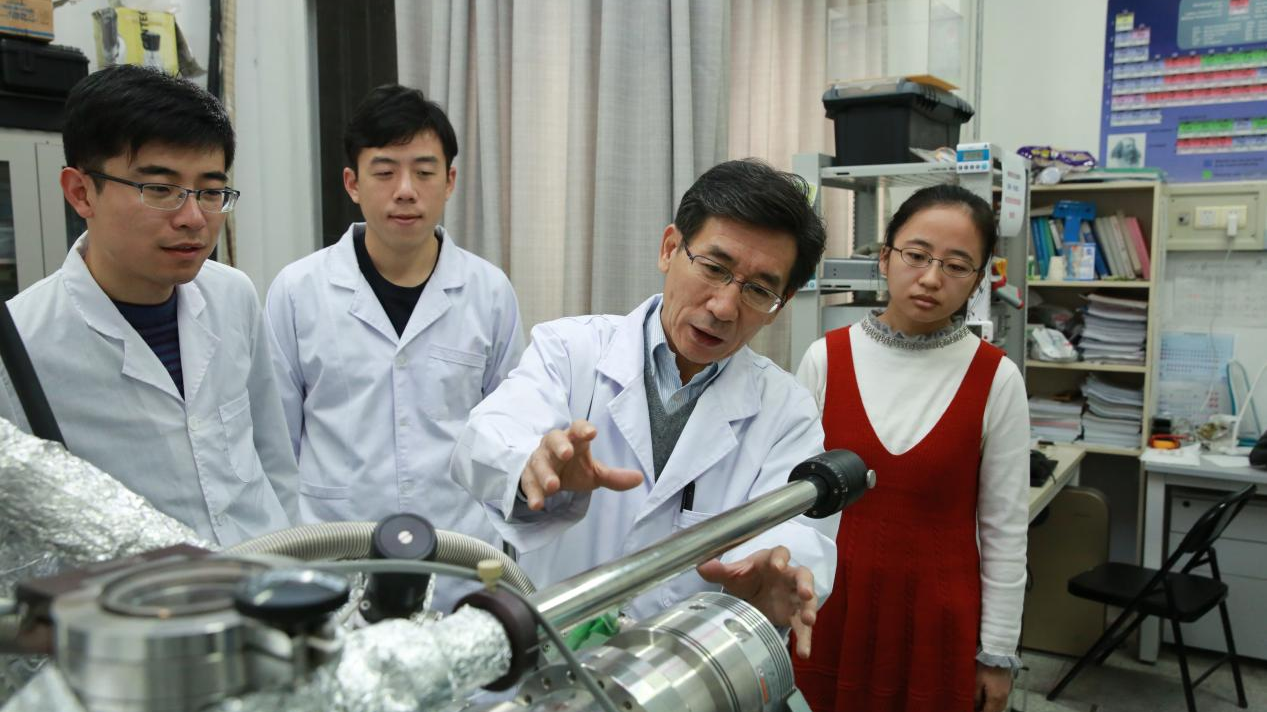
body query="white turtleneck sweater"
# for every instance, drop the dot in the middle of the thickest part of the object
(904, 393)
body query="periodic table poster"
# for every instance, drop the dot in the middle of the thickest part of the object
(1185, 88)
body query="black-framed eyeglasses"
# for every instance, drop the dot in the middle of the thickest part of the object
(754, 295)
(951, 266)
(166, 196)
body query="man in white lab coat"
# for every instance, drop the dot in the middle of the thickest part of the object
(616, 431)
(384, 341)
(154, 360)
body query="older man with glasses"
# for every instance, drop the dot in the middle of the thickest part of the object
(615, 431)
(154, 360)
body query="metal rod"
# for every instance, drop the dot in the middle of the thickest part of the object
(588, 594)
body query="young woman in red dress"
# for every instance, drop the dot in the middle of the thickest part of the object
(925, 613)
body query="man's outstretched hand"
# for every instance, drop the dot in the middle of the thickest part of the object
(767, 580)
(563, 462)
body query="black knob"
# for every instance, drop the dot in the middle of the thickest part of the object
(841, 478)
(293, 600)
(399, 536)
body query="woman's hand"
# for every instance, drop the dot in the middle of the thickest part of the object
(992, 688)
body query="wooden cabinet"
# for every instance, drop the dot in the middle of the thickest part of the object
(1139, 199)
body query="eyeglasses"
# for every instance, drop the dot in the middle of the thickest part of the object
(165, 196)
(951, 266)
(754, 295)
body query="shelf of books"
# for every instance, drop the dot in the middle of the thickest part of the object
(1095, 260)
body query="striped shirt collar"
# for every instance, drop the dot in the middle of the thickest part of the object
(663, 363)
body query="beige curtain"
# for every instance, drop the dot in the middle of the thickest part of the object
(778, 72)
(580, 124)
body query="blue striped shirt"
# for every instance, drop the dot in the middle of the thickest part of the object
(668, 379)
(156, 323)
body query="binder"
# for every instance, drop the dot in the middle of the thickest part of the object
(1140, 245)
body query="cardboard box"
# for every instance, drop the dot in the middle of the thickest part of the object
(32, 19)
(127, 36)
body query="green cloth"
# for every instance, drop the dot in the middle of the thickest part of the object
(595, 631)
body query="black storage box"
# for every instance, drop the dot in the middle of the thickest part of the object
(880, 123)
(34, 81)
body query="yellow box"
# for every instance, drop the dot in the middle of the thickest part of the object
(32, 19)
(127, 36)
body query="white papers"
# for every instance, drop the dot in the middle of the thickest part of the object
(1055, 420)
(1115, 330)
(1186, 455)
(1115, 414)
(1228, 460)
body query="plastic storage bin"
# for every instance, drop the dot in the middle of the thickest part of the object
(34, 81)
(880, 122)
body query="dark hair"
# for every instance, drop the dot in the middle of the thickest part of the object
(392, 114)
(979, 212)
(751, 192)
(122, 108)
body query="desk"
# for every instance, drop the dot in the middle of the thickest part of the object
(1159, 476)
(1067, 458)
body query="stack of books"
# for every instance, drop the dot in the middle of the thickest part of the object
(1114, 330)
(1115, 414)
(1058, 421)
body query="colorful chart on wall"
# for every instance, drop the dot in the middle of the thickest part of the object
(1185, 88)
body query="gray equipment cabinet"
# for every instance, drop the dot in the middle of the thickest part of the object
(814, 311)
(37, 226)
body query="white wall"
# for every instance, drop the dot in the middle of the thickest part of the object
(1042, 69)
(275, 118)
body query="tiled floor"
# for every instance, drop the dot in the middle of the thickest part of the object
(1123, 684)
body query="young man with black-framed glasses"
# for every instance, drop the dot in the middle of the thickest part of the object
(154, 360)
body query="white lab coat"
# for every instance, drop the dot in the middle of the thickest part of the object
(749, 429)
(373, 417)
(218, 459)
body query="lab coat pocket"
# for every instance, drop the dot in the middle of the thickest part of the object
(454, 383)
(689, 583)
(239, 438)
(687, 518)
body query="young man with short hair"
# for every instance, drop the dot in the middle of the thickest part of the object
(384, 341)
(155, 360)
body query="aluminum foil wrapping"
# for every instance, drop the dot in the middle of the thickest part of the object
(57, 510)
(48, 691)
(66, 508)
(398, 666)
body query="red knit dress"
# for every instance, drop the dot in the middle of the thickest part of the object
(900, 629)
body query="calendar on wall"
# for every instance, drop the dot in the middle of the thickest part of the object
(1193, 379)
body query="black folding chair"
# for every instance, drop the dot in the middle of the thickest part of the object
(1180, 597)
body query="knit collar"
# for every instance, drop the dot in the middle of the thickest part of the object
(885, 335)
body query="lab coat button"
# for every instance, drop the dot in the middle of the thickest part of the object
(401, 361)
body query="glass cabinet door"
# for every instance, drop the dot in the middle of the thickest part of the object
(21, 235)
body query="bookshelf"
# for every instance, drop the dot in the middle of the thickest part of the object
(1142, 200)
